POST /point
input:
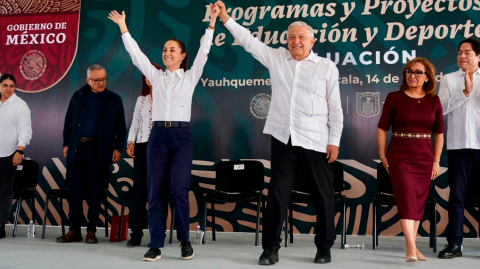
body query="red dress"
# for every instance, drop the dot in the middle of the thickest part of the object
(411, 158)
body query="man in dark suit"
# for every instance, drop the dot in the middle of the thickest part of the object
(93, 138)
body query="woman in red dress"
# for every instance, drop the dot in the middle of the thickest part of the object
(414, 113)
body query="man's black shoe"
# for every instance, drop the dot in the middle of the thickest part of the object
(134, 241)
(187, 250)
(268, 257)
(450, 252)
(152, 254)
(323, 255)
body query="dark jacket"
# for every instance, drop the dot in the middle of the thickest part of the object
(111, 129)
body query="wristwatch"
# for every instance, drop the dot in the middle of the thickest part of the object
(19, 151)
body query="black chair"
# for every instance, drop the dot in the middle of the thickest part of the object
(129, 196)
(62, 195)
(236, 181)
(24, 188)
(384, 196)
(300, 194)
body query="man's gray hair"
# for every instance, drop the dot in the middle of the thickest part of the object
(94, 67)
(301, 24)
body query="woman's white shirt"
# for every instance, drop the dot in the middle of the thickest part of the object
(141, 120)
(172, 91)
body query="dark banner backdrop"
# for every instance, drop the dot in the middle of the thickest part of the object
(368, 40)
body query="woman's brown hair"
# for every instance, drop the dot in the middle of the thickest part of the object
(429, 87)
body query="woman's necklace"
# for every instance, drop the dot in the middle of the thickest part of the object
(412, 93)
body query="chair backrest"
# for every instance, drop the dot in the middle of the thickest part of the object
(384, 184)
(27, 178)
(239, 176)
(301, 184)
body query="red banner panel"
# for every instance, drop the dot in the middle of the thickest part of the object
(38, 40)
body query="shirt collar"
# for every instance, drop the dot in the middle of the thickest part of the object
(461, 73)
(179, 72)
(312, 56)
(12, 98)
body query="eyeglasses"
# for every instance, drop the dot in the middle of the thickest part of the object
(97, 81)
(417, 73)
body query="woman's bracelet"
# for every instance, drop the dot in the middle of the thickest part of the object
(435, 160)
(436, 164)
(383, 156)
(211, 27)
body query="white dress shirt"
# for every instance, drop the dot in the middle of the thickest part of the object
(305, 102)
(15, 125)
(141, 121)
(463, 112)
(172, 91)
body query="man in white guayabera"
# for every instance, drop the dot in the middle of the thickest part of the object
(305, 120)
(460, 96)
(15, 135)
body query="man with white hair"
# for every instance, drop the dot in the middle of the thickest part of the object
(305, 121)
(94, 135)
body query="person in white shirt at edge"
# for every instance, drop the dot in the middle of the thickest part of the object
(15, 135)
(305, 120)
(137, 149)
(460, 97)
(170, 146)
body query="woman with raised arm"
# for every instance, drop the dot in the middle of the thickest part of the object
(170, 145)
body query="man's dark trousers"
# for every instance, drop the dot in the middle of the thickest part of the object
(7, 174)
(463, 164)
(85, 175)
(286, 160)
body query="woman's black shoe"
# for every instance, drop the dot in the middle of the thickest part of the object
(152, 254)
(187, 250)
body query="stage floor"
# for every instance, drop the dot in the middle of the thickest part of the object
(231, 250)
